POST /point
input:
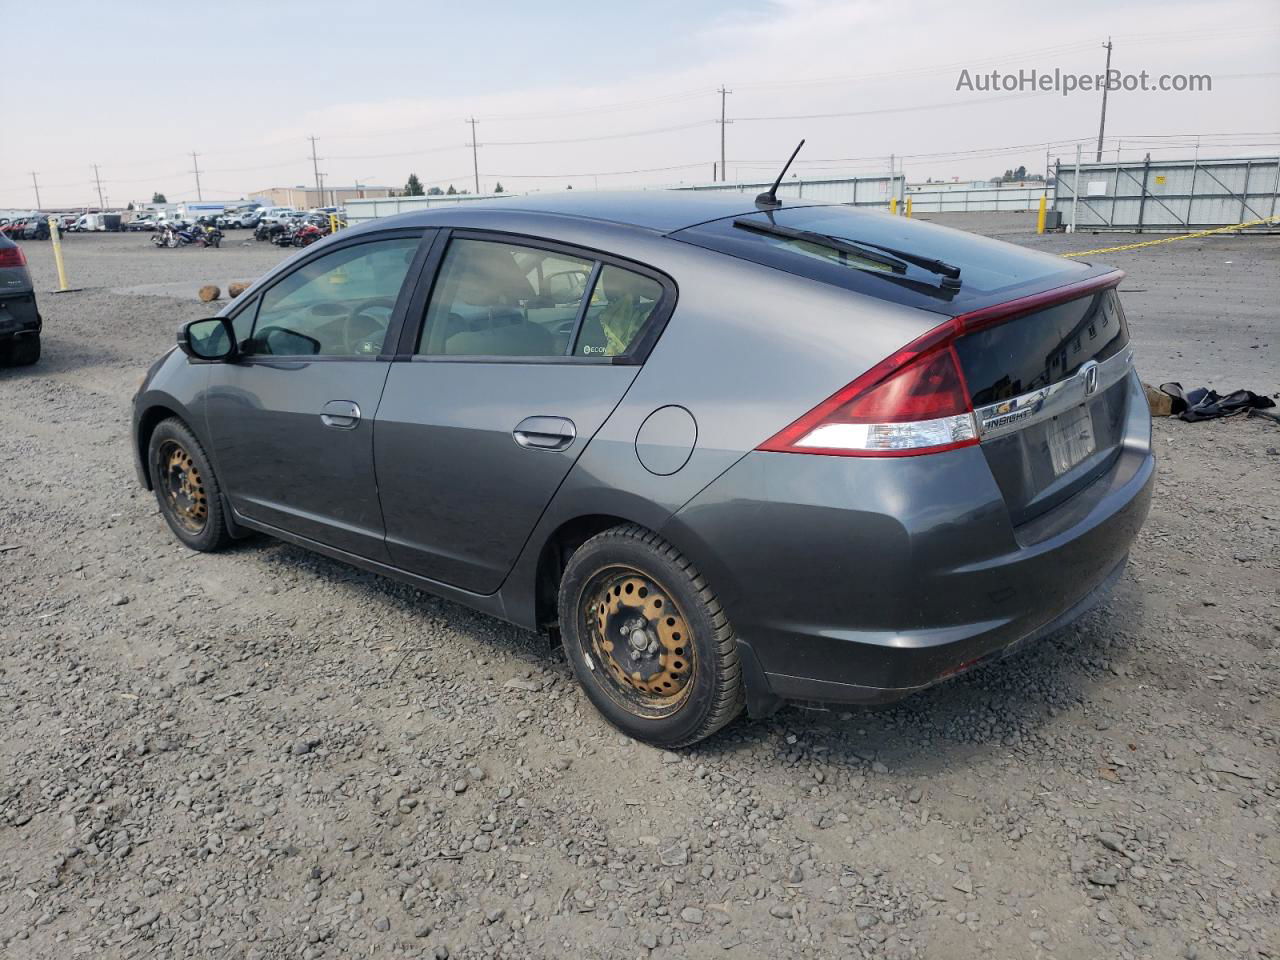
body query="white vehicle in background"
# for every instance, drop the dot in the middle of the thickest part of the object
(276, 214)
(140, 223)
(240, 215)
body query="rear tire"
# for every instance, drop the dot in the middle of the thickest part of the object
(648, 640)
(24, 351)
(186, 488)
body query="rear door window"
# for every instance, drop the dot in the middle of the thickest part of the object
(497, 299)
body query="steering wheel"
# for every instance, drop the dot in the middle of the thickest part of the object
(349, 324)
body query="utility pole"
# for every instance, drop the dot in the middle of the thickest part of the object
(37, 186)
(315, 165)
(475, 163)
(98, 179)
(195, 165)
(723, 122)
(1102, 124)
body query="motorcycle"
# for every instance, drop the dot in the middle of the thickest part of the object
(209, 235)
(200, 234)
(307, 234)
(165, 236)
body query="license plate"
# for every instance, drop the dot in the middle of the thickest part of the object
(1070, 439)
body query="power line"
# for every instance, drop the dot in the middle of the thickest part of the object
(96, 177)
(604, 136)
(923, 106)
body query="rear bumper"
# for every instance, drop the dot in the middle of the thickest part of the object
(19, 315)
(965, 654)
(862, 580)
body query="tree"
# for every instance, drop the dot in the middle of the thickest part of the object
(130, 207)
(413, 186)
(434, 191)
(158, 198)
(1020, 173)
(498, 188)
(451, 192)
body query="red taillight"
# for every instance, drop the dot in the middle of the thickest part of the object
(911, 403)
(12, 257)
(915, 401)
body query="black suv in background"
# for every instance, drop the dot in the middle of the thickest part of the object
(20, 321)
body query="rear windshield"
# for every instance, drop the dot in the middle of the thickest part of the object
(990, 270)
(1044, 347)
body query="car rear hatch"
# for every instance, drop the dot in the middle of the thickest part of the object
(1040, 343)
(1046, 376)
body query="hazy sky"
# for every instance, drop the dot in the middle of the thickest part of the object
(577, 93)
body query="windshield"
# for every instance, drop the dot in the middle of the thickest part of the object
(991, 269)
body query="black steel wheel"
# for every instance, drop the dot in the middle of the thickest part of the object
(648, 640)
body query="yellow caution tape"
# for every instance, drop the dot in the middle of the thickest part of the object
(1181, 236)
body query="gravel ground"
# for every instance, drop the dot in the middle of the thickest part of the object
(266, 754)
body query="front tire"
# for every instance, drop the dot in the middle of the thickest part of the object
(648, 640)
(186, 488)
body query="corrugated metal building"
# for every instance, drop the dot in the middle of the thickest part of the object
(304, 198)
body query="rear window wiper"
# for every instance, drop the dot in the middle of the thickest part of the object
(896, 260)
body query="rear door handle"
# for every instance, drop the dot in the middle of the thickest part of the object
(342, 414)
(545, 433)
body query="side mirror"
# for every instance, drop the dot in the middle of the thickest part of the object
(210, 340)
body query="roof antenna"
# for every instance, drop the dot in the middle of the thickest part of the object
(770, 197)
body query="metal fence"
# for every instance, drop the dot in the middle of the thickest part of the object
(358, 211)
(1169, 196)
(873, 191)
(976, 199)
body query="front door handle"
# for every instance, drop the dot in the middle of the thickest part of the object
(545, 433)
(342, 414)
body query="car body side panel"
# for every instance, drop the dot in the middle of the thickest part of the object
(278, 461)
(459, 494)
(173, 383)
(747, 351)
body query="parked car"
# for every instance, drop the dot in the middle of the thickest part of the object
(36, 228)
(233, 217)
(276, 214)
(142, 223)
(730, 452)
(20, 320)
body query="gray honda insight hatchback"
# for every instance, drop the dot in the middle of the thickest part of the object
(732, 452)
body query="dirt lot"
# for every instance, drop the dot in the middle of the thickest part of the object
(267, 754)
